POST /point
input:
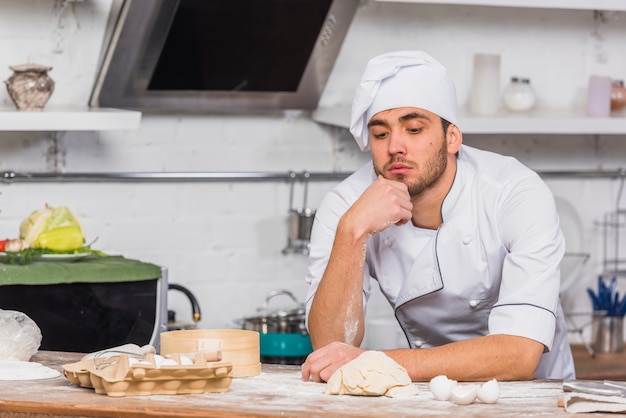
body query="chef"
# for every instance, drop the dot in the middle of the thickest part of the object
(465, 244)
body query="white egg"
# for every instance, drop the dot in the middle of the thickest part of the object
(133, 361)
(441, 387)
(168, 362)
(185, 361)
(158, 361)
(464, 394)
(489, 392)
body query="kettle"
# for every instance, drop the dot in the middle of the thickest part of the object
(172, 324)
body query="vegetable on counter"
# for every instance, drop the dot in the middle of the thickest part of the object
(65, 238)
(14, 245)
(48, 219)
(46, 231)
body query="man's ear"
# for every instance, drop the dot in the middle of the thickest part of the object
(454, 138)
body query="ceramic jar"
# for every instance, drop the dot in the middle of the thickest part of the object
(484, 97)
(519, 96)
(29, 86)
(599, 96)
(618, 95)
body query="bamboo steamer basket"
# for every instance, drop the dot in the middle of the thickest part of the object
(240, 347)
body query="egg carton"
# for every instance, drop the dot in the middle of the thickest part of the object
(127, 375)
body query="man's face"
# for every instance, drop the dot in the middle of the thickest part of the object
(408, 145)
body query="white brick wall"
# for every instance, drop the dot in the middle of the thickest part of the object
(224, 240)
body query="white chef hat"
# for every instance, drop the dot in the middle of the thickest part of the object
(401, 79)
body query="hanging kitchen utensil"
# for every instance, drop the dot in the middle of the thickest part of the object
(284, 338)
(300, 220)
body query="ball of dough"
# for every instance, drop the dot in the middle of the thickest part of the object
(372, 373)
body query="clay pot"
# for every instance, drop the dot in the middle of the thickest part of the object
(29, 86)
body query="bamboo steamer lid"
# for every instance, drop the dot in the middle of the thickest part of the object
(240, 347)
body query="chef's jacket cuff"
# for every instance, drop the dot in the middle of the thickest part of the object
(524, 320)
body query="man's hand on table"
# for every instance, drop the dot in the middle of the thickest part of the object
(322, 363)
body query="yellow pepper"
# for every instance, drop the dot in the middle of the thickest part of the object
(65, 238)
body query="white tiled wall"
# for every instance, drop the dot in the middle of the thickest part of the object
(224, 240)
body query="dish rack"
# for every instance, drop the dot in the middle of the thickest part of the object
(613, 262)
(117, 375)
(613, 229)
(613, 225)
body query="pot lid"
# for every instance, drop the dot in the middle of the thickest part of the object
(297, 309)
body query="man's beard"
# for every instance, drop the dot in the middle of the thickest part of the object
(434, 170)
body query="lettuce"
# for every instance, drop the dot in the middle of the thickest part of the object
(45, 220)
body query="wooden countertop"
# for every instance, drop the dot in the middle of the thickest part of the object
(609, 366)
(277, 391)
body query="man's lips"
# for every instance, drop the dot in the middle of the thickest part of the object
(398, 168)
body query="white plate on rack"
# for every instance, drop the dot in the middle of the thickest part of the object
(56, 258)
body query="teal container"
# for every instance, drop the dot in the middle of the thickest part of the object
(285, 345)
(283, 335)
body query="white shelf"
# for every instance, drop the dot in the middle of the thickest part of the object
(618, 5)
(535, 122)
(69, 119)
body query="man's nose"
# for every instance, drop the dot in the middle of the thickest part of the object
(397, 144)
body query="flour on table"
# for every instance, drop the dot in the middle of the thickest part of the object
(373, 373)
(25, 370)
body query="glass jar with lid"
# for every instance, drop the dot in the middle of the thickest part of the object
(519, 96)
(618, 95)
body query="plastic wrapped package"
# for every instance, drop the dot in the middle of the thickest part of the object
(20, 337)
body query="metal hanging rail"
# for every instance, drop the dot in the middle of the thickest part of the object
(216, 176)
(11, 176)
(615, 174)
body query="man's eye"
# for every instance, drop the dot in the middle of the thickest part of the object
(415, 130)
(379, 135)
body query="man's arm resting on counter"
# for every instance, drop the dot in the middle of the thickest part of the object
(501, 357)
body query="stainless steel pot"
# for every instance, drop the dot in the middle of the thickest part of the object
(283, 335)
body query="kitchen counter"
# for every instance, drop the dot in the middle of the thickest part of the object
(277, 391)
(609, 366)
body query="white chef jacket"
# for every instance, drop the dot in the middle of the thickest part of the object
(492, 267)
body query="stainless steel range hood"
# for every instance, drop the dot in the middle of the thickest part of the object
(221, 55)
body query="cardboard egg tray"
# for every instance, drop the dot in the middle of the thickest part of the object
(116, 377)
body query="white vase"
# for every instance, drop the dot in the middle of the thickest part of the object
(599, 96)
(485, 93)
